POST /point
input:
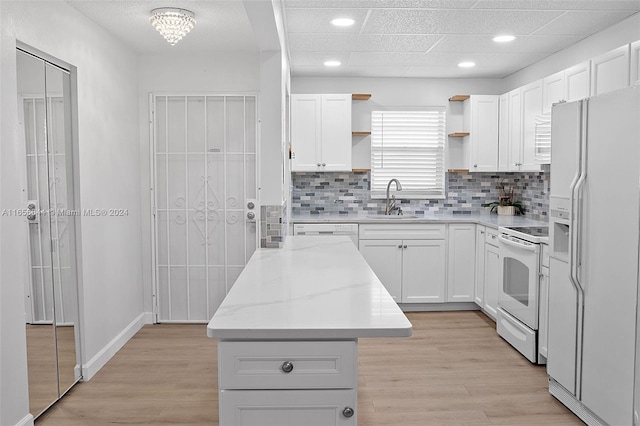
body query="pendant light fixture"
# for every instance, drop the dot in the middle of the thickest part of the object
(172, 23)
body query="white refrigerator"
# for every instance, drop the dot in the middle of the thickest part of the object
(593, 271)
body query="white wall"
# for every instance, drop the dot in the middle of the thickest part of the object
(221, 72)
(108, 132)
(622, 33)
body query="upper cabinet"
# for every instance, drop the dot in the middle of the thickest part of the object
(568, 85)
(610, 71)
(531, 95)
(321, 133)
(635, 63)
(478, 137)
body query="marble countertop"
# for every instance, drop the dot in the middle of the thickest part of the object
(492, 220)
(312, 288)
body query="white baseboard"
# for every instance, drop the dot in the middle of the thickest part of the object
(26, 421)
(101, 358)
(148, 317)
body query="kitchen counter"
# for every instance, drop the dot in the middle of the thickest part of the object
(288, 333)
(313, 288)
(492, 220)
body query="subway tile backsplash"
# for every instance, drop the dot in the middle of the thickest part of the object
(348, 194)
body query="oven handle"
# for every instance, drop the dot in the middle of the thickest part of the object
(532, 248)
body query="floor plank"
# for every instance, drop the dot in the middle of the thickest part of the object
(454, 370)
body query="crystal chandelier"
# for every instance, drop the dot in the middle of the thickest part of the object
(172, 23)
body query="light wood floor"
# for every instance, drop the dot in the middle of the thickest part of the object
(454, 370)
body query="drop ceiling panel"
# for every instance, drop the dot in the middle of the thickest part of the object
(444, 59)
(403, 21)
(581, 22)
(484, 44)
(381, 71)
(558, 4)
(318, 58)
(299, 42)
(367, 4)
(319, 20)
(448, 72)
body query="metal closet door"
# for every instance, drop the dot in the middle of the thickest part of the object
(205, 172)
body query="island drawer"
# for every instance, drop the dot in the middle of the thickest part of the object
(287, 365)
(406, 231)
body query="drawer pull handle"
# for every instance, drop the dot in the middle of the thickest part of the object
(287, 367)
(348, 412)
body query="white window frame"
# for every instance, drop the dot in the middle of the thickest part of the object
(412, 142)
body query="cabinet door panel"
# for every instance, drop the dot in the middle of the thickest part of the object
(479, 276)
(385, 259)
(336, 133)
(484, 133)
(503, 134)
(635, 63)
(305, 132)
(492, 279)
(287, 408)
(423, 271)
(552, 90)
(610, 71)
(515, 130)
(543, 324)
(578, 81)
(462, 257)
(531, 96)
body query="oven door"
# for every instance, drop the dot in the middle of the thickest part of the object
(520, 269)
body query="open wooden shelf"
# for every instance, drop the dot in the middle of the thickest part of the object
(360, 133)
(360, 96)
(458, 134)
(459, 98)
(360, 170)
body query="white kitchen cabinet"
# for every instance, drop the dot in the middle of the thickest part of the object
(553, 90)
(334, 407)
(321, 133)
(577, 82)
(481, 122)
(409, 260)
(412, 271)
(610, 71)
(461, 242)
(503, 133)
(479, 272)
(635, 63)
(492, 273)
(531, 97)
(385, 259)
(515, 130)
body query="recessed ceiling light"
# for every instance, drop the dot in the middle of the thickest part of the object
(467, 64)
(343, 22)
(332, 63)
(504, 38)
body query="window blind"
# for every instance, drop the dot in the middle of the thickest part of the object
(409, 146)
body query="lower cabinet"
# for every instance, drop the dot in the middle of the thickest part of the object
(479, 283)
(492, 276)
(461, 262)
(409, 260)
(543, 322)
(288, 408)
(288, 383)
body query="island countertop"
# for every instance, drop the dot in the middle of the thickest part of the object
(313, 288)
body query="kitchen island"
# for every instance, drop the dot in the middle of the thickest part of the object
(288, 333)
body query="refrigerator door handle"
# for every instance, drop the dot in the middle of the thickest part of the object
(573, 208)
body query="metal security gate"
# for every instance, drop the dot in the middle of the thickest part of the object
(205, 189)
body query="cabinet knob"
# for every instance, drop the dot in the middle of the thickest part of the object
(348, 412)
(475, 165)
(318, 164)
(404, 246)
(287, 366)
(481, 232)
(324, 164)
(399, 245)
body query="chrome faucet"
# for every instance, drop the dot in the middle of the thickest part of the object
(391, 203)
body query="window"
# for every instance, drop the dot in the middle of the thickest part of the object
(409, 146)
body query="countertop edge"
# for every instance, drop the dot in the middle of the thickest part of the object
(307, 334)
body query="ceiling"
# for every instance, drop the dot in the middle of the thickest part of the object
(390, 38)
(428, 38)
(221, 25)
